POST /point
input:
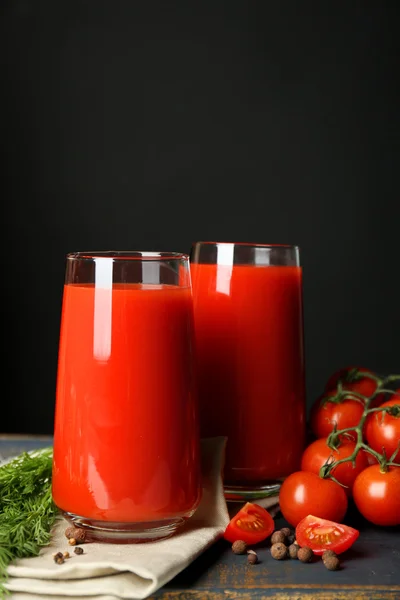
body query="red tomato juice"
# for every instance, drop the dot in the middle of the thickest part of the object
(126, 431)
(249, 342)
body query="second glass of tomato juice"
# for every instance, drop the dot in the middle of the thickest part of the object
(249, 345)
(126, 440)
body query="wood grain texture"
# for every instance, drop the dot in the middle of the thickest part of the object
(370, 569)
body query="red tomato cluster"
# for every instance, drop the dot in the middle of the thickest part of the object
(318, 453)
(315, 505)
(346, 413)
(376, 494)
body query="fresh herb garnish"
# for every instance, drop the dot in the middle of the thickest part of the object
(27, 511)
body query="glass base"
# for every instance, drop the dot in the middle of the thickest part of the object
(248, 493)
(125, 533)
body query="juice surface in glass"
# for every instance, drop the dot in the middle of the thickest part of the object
(126, 432)
(249, 343)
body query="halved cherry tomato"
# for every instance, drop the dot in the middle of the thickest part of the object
(318, 453)
(382, 431)
(321, 534)
(352, 380)
(252, 524)
(303, 493)
(377, 495)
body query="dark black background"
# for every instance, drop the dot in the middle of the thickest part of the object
(149, 125)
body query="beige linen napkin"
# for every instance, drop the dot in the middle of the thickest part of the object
(131, 571)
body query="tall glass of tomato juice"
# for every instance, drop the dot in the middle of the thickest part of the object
(126, 439)
(249, 344)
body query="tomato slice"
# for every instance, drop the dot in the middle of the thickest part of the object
(321, 534)
(252, 524)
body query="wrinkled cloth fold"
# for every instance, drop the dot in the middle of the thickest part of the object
(127, 571)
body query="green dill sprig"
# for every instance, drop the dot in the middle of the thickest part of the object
(27, 510)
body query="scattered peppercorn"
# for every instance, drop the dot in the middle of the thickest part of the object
(58, 558)
(286, 531)
(66, 554)
(293, 550)
(332, 563)
(239, 547)
(279, 551)
(78, 550)
(78, 533)
(69, 532)
(252, 557)
(328, 553)
(278, 537)
(57, 555)
(305, 554)
(72, 541)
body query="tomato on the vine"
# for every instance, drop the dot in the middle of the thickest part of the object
(252, 524)
(377, 495)
(362, 385)
(322, 534)
(325, 414)
(304, 493)
(318, 453)
(382, 430)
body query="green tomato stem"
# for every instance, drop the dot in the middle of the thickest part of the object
(333, 440)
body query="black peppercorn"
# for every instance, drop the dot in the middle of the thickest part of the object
(279, 551)
(58, 558)
(305, 554)
(76, 533)
(328, 553)
(252, 557)
(278, 537)
(293, 550)
(332, 563)
(239, 547)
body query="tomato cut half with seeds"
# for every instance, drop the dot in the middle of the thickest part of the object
(252, 524)
(321, 534)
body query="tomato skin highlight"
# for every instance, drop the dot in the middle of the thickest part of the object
(304, 493)
(252, 524)
(323, 534)
(377, 495)
(383, 431)
(318, 452)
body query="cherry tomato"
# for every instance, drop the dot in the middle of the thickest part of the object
(365, 385)
(304, 493)
(382, 431)
(324, 415)
(322, 534)
(377, 495)
(252, 524)
(318, 453)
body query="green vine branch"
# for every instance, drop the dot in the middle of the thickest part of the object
(334, 439)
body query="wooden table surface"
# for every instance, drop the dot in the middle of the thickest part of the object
(370, 569)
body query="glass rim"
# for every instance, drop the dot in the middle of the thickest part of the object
(247, 244)
(120, 255)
